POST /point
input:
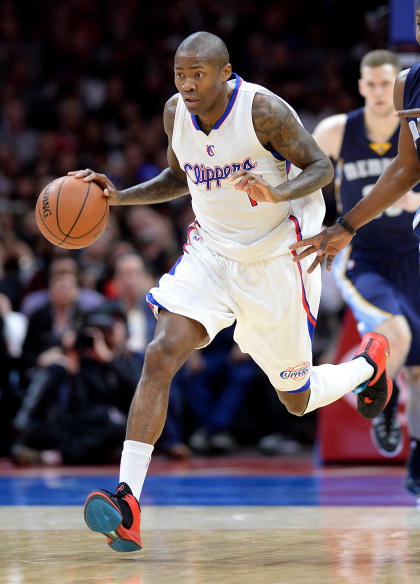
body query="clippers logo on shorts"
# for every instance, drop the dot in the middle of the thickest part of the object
(201, 174)
(296, 373)
(210, 149)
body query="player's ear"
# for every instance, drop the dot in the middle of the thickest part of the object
(361, 86)
(226, 72)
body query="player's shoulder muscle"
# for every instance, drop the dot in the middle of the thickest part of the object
(269, 114)
(169, 113)
(329, 134)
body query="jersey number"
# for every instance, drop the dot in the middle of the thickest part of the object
(392, 211)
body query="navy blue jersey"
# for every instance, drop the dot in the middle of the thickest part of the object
(360, 164)
(411, 100)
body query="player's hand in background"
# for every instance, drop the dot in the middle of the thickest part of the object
(326, 244)
(101, 180)
(255, 187)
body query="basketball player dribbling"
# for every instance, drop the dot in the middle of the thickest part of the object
(377, 273)
(254, 175)
(398, 178)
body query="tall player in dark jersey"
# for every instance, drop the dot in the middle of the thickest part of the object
(401, 175)
(375, 273)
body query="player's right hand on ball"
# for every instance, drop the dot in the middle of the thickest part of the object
(101, 180)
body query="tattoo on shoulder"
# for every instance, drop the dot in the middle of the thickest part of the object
(272, 118)
(169, 114)
(278, 130)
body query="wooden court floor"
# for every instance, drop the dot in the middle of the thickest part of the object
(208, 544)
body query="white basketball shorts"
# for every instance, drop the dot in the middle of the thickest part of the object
(274, 302)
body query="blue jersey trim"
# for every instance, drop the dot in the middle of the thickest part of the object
(278, 156)
(194, 121)
(311, 329)
(305, 303)
(228, 109)
(303, 388)
(172, 270)
(151, 300)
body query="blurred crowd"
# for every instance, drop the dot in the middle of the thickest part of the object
(83, 84)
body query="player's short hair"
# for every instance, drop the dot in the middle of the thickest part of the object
(380, 57)
(208, 45)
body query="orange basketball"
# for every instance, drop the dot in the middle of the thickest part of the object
(71, 213)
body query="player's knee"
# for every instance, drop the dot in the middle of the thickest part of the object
(398, 332)
(160, 360)
(295, 403)
(413, 378)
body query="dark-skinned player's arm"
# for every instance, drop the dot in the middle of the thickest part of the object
(400, 176)
(279, 131)
(169, 184)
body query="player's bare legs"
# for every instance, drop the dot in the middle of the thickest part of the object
(295, 403)
(175, 339)
(396, 329)
(117, 515)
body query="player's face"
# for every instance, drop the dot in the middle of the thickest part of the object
(200, 82)
(418, 24)
(376, 85)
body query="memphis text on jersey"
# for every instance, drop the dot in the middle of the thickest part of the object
(202, 174)
(365, 168)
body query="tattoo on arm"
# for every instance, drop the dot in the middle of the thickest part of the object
(164, 187)
(170, 183)
(279, 131)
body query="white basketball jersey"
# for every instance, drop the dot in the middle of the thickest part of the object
(230, 222)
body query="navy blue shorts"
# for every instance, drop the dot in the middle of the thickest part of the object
(378, 286)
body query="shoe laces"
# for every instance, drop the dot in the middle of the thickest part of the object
(389, 417)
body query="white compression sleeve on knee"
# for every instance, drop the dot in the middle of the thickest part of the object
(330, 382)
(135, 461)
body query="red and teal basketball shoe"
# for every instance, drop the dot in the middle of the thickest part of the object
(374, 394)
(117, 516)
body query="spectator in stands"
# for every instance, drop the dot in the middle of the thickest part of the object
(87, 299)
(53, 325)
(75, 410)
(219, 377)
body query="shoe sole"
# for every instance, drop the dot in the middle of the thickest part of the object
(383, 395)
(379, 448)
(103, 517)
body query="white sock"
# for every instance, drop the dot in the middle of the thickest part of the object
(330, 382)
(135, 461)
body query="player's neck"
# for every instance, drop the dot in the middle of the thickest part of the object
(213, 115)
(380, 128)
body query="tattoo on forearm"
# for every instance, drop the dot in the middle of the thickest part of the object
(165, 187)
(313, 177)
(278, 131)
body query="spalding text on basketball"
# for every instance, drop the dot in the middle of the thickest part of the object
(46, 211)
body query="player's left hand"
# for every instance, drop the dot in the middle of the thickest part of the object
(255, 186)
(326, 244)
